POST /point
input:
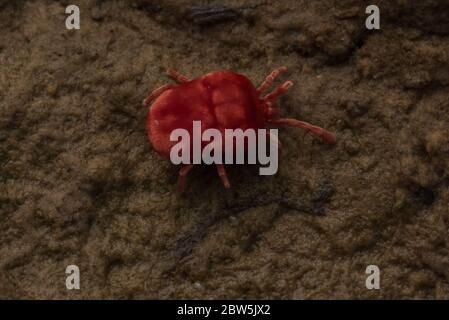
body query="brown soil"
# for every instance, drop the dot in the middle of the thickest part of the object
(80, 184)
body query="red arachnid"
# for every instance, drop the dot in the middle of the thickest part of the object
(220, 100)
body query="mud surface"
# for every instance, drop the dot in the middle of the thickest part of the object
(80, 184)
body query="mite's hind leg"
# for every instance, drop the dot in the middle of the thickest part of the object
(222, 174)
(182, 176)
(327, 136)
(156, 93)
(177, 76)
(270, 78)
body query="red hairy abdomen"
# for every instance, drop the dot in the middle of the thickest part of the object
(221, 100)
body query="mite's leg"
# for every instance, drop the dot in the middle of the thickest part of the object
(182, 176)
(222, 173)
(327, 136)
(270, 78)
(156, 93)
(177, 76)
(279, 91)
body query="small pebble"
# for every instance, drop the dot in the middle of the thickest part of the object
(434, 142)
(198, 286)
(367, 163)
(52, 90)
(400, 197)
(356, 110)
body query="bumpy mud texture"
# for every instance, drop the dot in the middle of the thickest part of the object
(80, 184)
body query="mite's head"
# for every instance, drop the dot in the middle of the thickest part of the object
(269, 107)
(268, 102)
(270, 110)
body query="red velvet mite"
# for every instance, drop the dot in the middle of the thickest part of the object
(221, 100)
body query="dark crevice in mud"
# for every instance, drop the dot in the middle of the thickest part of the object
(424, 195)
(433, 20)
(428, 88)
(360, 39)
(149, 7)
(198, 16)
(321, 196)
(110, 266)
(16, 5)
(186, 243)
(314, 204)
(102, 191)
(205, 15)
(213, 14)
(251, 242)
(419, 198)
(255, 237)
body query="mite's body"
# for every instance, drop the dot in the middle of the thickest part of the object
(220, 100)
